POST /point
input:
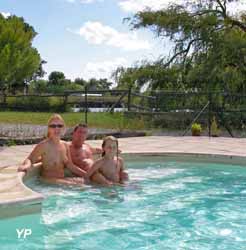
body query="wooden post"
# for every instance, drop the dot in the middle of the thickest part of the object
(86, 106)
(129, 99)
(65, 101)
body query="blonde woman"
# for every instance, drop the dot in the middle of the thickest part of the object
(55, 156)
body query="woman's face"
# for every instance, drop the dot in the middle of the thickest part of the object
(110, 148)
(56, 128)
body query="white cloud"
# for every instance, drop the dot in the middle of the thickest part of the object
(5, 14)
(103, 69)
(236, 7)
(84, 1)
(90, 1)
(99, 34)
(138, 5)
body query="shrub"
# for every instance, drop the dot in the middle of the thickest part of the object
(196, 129)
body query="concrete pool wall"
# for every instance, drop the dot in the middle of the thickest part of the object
(13, 192)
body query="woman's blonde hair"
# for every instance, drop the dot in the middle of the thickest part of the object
(55, 117)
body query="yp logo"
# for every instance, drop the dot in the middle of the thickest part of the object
(23, 232)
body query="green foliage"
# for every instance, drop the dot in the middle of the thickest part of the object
(58, 84)
(209, 50)
(43, 86)
(101, 84)
(196, 129)
(35, 103)
(19, 60)
(57, 78)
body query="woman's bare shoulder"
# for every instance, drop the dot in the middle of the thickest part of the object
(42, 144)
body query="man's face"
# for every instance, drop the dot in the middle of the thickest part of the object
(80, 135)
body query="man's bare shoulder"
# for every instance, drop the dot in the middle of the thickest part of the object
(87, 146)
(99, 161)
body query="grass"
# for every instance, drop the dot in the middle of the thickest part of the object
(97, 120)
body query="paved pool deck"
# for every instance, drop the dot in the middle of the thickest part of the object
(12, 189)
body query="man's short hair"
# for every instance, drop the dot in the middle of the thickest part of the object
(80, 125)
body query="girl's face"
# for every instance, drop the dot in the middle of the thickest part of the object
(56, 128)
(110, 148)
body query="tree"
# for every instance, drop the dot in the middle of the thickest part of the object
(209, 47)
(80, 81)
(19, 60)
(57, 78)
(98, 84)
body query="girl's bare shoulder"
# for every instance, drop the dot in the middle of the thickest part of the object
(120, 159)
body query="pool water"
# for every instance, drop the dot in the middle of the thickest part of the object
(166, 205)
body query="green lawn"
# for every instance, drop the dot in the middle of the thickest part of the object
(97, 120)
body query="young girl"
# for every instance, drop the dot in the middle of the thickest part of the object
(110, 165)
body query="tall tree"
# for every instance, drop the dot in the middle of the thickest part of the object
(19, 60)
(209, 47)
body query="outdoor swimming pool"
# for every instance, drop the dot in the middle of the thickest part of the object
(167, 205)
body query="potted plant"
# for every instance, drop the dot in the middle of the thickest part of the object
(196, 129)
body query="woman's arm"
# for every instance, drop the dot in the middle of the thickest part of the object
(34, 157)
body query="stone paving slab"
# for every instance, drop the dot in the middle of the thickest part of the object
(13, 190)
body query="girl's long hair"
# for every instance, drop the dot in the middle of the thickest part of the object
(54, 117)
(110, 138)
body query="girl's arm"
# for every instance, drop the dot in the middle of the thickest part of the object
(123, 174)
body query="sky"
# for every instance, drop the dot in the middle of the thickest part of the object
(88, 38)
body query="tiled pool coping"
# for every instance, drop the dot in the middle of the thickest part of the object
(231, 150)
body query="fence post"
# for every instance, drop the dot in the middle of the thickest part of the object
(65, 101)
(86, 105)
(129, 99)
(209, 113)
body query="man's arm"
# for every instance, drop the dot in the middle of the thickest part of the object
(91, 150)
(93, 168)
(69, 164)
(75, 169)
